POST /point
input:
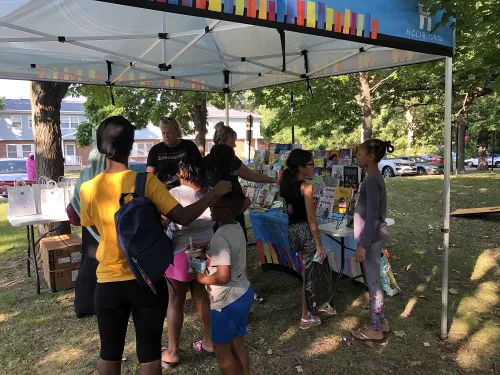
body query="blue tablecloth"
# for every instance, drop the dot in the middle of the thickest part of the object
(271, 237)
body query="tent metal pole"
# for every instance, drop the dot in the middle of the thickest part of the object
(164, 42)
(446, 200)
(226, 96)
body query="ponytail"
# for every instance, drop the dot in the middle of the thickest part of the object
(222, 133)
(378, 148)
(286, 183)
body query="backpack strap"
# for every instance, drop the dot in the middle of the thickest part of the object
(140, 184)
(139, 188)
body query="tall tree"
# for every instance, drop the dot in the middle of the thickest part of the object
(46, 100)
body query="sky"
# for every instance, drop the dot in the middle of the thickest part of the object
(11, 89)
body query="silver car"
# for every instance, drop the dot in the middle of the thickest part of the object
(392, 166)
(10, 171)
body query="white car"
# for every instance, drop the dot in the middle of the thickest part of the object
(392, 166)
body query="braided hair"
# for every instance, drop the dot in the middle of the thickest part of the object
(297, 158)
(192, 170)
(378, 148)
(222, 133)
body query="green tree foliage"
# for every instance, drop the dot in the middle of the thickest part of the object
(2, 104)
(143, 105)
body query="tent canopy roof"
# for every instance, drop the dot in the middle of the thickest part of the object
(215, 45)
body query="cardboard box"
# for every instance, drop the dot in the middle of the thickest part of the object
(60, 279)
(60, 252)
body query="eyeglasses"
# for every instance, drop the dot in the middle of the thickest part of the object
(309, 164)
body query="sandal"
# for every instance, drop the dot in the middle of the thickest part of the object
(198, 349)
(165, 364)
(312, 321)
(327, 309)
(363, 337)
(258, 299)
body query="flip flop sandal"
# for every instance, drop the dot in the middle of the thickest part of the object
(365, 337)
(258, 299)
(327, 309)
(165, 364)
(198, 349)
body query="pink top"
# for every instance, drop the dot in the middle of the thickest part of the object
(31, 169)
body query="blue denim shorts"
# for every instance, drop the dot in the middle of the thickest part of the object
(232, 320)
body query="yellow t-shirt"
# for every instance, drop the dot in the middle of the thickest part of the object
(99, 201)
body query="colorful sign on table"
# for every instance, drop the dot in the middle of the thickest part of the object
(271, 237)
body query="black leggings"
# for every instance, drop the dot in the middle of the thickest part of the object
(113, 304)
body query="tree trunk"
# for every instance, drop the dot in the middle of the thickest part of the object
(198, 114)
(410, 123)
(366, 106)
(461, 129)
(46, 100)
(482, 163)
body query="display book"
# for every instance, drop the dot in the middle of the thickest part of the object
(335, 184)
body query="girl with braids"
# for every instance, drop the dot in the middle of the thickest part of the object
(303, 233)
(370, 232)
(190, 175)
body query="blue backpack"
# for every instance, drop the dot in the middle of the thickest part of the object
(142, 237)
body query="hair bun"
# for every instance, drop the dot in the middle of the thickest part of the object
(389, 147)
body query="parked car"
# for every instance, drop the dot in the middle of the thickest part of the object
(425, 167)
(392, 166)
(473, 162)
(433, 158)
(10, 171)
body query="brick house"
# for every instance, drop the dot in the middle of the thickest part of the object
(16, 134)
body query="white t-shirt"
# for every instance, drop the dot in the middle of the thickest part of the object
(201, 230)
(228, 248)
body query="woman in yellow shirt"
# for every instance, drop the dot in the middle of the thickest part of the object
(118, 293)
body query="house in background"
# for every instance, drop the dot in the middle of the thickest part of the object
(16, 132)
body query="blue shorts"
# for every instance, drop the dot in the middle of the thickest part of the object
(232, 320)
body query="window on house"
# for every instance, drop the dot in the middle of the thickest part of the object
(16, 121)
(69, 122)
(11, 151)
(19, 151)
(30, 121)
(141, 149)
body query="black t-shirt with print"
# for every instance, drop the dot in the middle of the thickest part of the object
(166, 159)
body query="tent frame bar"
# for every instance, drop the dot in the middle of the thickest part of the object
(446, 194)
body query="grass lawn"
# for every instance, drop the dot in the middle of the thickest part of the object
(40, 334)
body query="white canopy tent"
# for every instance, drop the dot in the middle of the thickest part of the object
(221, 46)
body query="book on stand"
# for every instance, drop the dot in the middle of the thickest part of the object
(338, 175)
(324, 208)
(329, 192)
(342, 199)
(333, 158)
(351, 177)
(345, 156)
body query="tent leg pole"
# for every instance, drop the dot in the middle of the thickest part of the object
(446, 200)
(226, 97)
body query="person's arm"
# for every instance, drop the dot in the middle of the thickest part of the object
(222, 276)
(307, 192)
(246, 203)
(247, 174)
(73, 217)
(152, 163)
(372, 189)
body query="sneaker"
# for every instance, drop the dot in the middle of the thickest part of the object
(327, 309)
(312, 321)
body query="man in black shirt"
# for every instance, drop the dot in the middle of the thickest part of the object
(163, 158)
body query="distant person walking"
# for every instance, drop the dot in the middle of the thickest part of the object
(31, 167)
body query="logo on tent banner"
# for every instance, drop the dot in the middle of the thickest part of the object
(425, 20)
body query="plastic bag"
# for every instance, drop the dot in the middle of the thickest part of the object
(52, 201)
(21, 200)
(318, 281)
(389, 284)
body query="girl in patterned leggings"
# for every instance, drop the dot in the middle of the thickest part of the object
(303, 233)
(370, 232)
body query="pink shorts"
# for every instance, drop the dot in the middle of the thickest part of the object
(179, 269)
